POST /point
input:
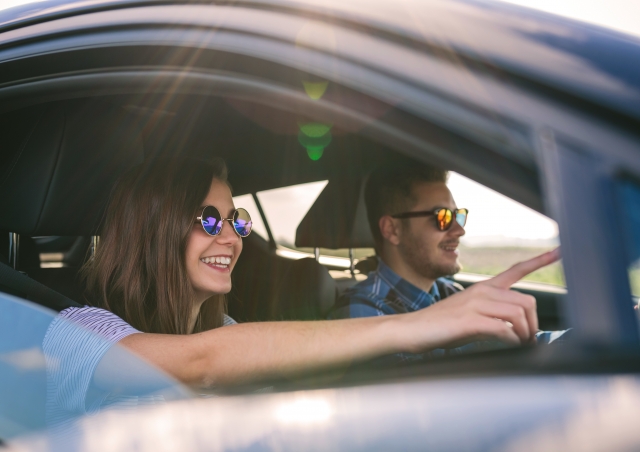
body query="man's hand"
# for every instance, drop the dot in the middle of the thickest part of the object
(486, 310)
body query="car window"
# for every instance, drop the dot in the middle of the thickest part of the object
(501, 232)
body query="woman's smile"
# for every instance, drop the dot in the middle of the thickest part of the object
(218, 263)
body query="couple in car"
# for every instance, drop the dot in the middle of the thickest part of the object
(169, 243)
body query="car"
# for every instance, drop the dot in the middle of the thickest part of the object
(541, 109)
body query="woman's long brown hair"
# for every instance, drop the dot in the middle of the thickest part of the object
(139, 270)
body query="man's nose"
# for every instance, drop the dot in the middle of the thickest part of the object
(456, 230)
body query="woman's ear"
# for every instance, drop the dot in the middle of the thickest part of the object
(390, 229)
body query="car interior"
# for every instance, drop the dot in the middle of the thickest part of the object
(61, 159)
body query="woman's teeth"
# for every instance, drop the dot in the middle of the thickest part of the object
(218, 261)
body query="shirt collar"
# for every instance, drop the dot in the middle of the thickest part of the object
(414, 297)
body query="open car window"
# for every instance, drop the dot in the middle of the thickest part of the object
(501, 232)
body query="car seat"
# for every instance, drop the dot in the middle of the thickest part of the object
(267, 286)
(57, 174)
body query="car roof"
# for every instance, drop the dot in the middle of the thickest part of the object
(521, 41)
(470, 86)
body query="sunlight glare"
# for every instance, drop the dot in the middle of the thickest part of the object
(619, 15)
(304, 411)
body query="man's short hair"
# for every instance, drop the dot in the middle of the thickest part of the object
(389, 190)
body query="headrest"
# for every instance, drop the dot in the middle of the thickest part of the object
(338, 218)
(307, 292)
(63, 164)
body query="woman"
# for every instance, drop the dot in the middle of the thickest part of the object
(159, 277)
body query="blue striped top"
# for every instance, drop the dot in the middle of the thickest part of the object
(75, 343)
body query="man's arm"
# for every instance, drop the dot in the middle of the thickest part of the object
(354, 305)
(239, 353)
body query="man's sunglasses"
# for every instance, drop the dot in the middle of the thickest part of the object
(444, 217)
(212, 221)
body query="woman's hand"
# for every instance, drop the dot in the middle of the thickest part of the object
(486, 310)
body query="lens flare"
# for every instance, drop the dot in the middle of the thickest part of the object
(315, 90)
(314, 137)
(315, 129)
(314, 153)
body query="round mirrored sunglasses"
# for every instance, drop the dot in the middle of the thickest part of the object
(212, 221)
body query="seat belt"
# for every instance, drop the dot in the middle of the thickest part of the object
(15, 283)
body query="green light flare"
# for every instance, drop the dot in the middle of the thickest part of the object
(315, 153)
(315, 90)
(307, 141)
(315, 145)
(315, 129)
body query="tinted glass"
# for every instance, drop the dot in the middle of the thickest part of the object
(242, 222)
(257, 225)
(211, 220)
(461, 217)
(629, 192)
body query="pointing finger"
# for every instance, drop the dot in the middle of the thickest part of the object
(511, 276)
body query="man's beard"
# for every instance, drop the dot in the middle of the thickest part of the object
(418, 259)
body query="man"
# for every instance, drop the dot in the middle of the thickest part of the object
(416, 226)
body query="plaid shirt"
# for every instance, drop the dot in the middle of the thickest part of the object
(385, 293)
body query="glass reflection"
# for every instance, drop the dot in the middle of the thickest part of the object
(315, 90)
(53, 373)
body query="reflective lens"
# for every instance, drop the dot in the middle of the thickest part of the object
(211, 220)
(461, 216)
(242, 222)
(443, 217)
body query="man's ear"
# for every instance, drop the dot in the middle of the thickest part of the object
(390, 229)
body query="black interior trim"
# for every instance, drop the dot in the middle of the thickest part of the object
(397, 129)
(15, 283)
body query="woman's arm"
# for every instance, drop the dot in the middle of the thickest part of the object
(249, 351)
(244, 352)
